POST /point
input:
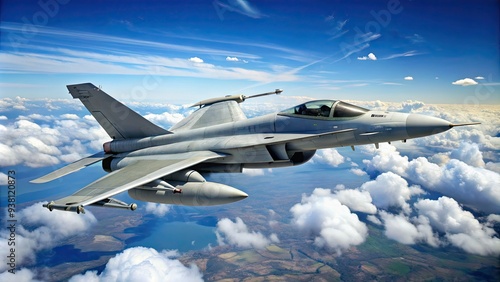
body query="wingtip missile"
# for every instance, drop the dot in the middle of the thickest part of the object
(236, 98)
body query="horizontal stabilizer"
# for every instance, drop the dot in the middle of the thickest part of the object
(72, 167)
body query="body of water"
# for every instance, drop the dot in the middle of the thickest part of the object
(182, 236)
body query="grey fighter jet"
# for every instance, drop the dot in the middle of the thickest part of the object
(167, 166)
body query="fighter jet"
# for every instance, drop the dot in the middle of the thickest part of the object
(167, 166)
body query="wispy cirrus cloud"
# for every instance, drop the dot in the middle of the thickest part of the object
(89, 40)
(95, 63)
(405, 54)
(242, 7)
(92, 53)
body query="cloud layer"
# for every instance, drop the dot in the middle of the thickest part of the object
(476, 187)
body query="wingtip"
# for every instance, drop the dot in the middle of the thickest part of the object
(38, 181)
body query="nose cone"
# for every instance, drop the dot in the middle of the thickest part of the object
(420, 125)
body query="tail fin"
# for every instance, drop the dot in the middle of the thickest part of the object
(118, 120)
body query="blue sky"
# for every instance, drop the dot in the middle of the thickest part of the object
(182, 52)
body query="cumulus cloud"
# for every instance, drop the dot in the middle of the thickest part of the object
(9, 104)
(356, 200)
(410, 106)
(391, 190)
(3, 118)
(143, 264)
(400, 229)
(38, 140)
(165, 119)
(475, 187)
(195, 60)
(329, 156)
(331, 223)
(468, 153)
(465, 82)
(408, 78)
(370, 57)
(479, 77)
(46, 229)
(47, 142)
(158, 210)
(461, 228)
(237, 233)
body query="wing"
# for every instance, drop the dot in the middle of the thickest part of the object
(133, 175)
(214, 114)
(240, 141)
(72, 167)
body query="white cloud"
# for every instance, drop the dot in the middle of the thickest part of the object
(8, 104)
(399, 228)
(374, 219)
(3, 178)
(47, 142)
(232, 59)
(196, 60)
(461, 228)
(493, 218)
(408, 78)
(479, 77)
(370, 57)
(97, 63)
(143, 264)
(475, 187)
(405, 54)
(22, 275)
(328, 156)
(242, 7)
(391, 190)
(70, 116)
(356, 200)
(358, 171)
(158, 210)
(468, 153)
(3, 118)
(465, 82)
(332, 223)
(411, 106)
(237, 233)
(46, 229)
(165, 119)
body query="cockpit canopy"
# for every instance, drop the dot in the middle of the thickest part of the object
(325, 109)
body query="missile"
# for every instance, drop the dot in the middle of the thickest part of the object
(192, 194)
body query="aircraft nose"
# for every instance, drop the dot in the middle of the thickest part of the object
(420, 125)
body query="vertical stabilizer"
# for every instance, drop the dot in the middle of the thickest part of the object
(119, 121)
